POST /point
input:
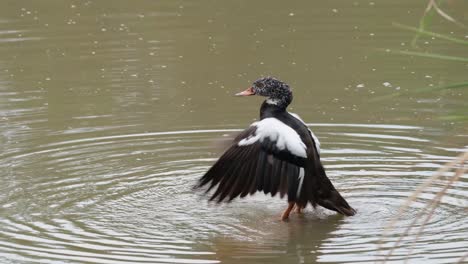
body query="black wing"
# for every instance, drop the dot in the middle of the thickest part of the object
(271, 166)
(259, 166)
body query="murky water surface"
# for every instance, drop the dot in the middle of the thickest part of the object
(111, 110)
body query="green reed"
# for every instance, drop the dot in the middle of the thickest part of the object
(432, 9)
(455, 169)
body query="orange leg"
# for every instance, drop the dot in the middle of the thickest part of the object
(299, 209)
(288, 210)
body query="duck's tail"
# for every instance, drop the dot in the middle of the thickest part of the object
(335, 202)
(325, 194)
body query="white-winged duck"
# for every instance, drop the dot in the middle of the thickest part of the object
(278, 154)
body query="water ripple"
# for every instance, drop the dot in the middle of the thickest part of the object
(121, 198)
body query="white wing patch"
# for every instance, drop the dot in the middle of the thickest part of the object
(317, 142)
(284, 136)
(301, 180)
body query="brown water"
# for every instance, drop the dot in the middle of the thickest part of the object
(111, 110)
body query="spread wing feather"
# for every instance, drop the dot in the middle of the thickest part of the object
(246, 169)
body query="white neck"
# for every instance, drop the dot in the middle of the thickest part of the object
(272, 101)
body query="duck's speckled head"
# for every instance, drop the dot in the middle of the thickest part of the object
(278, 92)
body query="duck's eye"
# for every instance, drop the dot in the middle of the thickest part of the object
(260, 85)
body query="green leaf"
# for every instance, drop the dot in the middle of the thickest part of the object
(430, 33)
(429, 55)
(455, 117)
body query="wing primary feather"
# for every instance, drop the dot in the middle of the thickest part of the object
(252, 168)
(259, 172)
(283, 186)
(293, 183)
(250, 165)
(268, 169)
(216, 172)
(221, 185)
(229, 175)
(276, 177)
(242, 176)
(252, 185)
